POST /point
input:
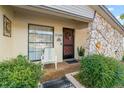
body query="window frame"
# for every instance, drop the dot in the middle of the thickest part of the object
(39, 42)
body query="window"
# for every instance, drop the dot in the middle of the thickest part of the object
(40, 37)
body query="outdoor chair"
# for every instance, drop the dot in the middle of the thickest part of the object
(49, 56)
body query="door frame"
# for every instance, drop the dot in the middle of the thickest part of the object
(73, 42)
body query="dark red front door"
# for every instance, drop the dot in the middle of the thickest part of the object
(68, 43)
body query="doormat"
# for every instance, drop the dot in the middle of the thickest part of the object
(71, 61)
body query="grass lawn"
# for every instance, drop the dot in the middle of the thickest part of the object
(77, 77)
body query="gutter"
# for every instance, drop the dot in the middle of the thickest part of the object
(111, 16)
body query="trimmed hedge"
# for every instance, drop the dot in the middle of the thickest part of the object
(19, 73)
(100, 71)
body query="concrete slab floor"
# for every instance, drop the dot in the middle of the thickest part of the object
(63, 68)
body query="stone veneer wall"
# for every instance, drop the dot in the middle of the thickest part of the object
(111, 41)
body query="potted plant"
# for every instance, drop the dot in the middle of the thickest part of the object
(81, 52)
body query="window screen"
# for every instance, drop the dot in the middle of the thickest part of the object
(40, 37)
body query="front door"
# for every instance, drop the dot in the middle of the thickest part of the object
(68, 43)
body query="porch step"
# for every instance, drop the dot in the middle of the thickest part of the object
(58, 83)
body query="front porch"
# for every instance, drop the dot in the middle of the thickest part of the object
(33, 31)
(63, 68)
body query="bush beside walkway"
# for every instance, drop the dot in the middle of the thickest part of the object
(100, 71)
(19, 73)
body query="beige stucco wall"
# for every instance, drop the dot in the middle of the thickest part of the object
(20, 32)
(81, 36)
(6, 43)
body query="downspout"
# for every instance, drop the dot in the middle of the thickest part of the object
(94, 15)
(91, 29)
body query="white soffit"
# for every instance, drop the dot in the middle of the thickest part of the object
(56, 12)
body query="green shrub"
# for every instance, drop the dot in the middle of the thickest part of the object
(100, 71)
(19, 73)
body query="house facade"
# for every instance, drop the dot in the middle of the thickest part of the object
(29, 29)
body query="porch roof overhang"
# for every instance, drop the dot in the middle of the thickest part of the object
(110, 18)
(56, 12)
